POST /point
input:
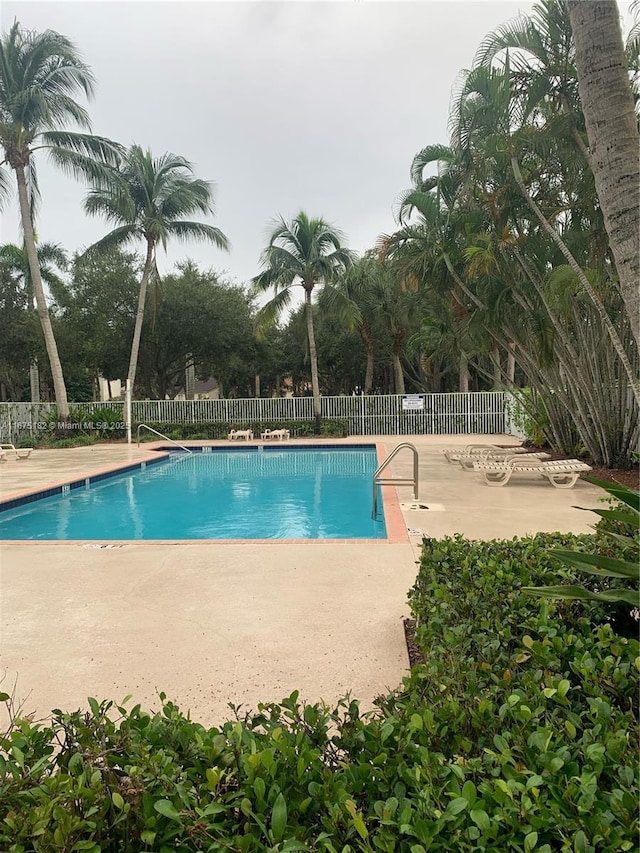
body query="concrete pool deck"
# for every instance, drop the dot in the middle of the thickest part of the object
(215, 623)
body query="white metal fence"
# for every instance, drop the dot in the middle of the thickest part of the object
(480, 412)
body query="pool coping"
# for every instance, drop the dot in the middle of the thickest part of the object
(396, 528)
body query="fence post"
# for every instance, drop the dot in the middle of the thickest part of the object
(127, 410)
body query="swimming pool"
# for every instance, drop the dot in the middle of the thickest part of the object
(253, 493)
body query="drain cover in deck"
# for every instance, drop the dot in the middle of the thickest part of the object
(420, 506)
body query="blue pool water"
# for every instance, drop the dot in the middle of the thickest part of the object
(289, 493)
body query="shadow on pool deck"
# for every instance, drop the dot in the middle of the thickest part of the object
(215, 623)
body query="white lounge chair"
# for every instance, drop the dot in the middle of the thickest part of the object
(500, 454)
(562, 473)
(479, 451)
(275, 435)
(18, 452)
(237, 434)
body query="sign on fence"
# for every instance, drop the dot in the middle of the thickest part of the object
(413, 403)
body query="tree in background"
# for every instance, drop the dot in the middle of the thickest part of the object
(304, 252)
(147, 199)
(51, 259)
(200, 318)
(16, 334)
(40, 73)
(355, 300)
(96, 312)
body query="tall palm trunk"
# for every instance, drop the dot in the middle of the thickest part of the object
(607, 104)
(137, 329)
(34, 368)
(34, 381)
(497, 369)
(313, 358)
(368, 376)
(463, 385)
(59, 387)
(511, 363)
(367, 339)
(463, 287)
(398, 374)
(190, 379)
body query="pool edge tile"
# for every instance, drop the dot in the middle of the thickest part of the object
(15, 499)
(393, 518)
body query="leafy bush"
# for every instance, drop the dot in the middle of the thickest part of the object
(209, 430)
(51, 440)
(518, 733)
(97, 422)
(616, 576)
(539, 697)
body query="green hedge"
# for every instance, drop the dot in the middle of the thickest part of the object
(104, 424)
(209, 430)
(536, 700)
(518, 733)
(82, 427)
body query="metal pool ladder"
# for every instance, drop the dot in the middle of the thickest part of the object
(395, 481)
(166, 437)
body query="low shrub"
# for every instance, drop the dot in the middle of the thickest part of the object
(53, 441)
(618, 578)
(219, 430)
(84, 426)
(518, 733)
(539, 697)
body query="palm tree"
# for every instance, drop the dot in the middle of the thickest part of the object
(485, 112)
(305, 252)
(543, 52)
(353, 301)
(50, 257)
(39, 75)
(147, 198)
(607, 103)
(426, 249)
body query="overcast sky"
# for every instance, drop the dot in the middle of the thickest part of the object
(285, 106)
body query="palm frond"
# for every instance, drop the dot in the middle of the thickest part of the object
(198, 231)
(113, 203)
(519, 33)
(115, 239)
(336, 301)
(430, 154)
(425, 203)
(12, 255)
(53, 253)
(272, 277)
(269, 313)
(5, 187)
(98, 149)
(78, 165)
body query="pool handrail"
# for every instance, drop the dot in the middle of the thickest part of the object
(166, 437)
(395, 481)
